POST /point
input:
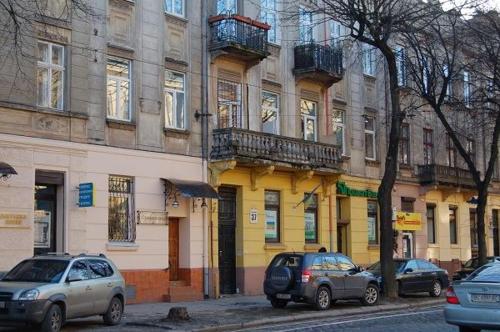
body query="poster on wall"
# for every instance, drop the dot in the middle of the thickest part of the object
(310, 225)
(42, 228)
(271, 224)
(372, 229)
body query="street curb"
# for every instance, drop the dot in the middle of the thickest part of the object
(323, 314)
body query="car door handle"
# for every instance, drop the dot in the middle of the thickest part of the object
(88, 288)
(110, 284)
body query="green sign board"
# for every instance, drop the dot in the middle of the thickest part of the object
(343, 189)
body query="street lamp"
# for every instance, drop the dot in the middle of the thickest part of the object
(6, 171)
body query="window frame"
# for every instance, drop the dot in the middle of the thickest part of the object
(467, 89)
(342, 126)
(451, 153)
(238, 103)
(174, 107)
(337, 30)
(222, 7)
(404, 145)
(454, 238)
(375, 215)
(49, 66)
(428, 146)
(471, 148)
(267, 12)
(369, 60)
(130, 222)
(183, 14)
(372, 133)
(473, 228)
(431, 219)
(306, 117)
(401, 65)
(118, 80)
(315, 211)
(276, 208)
(275, 109)
(306, 25)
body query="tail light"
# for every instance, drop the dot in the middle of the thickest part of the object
(451, 297)
(306, 275)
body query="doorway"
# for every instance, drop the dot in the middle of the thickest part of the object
(173, 249)
(227, 240)
(342, 239)
(408, 245)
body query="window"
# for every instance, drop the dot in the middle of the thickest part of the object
(50, 75)
(175, 100)
(446, 74)
(370, 152)
(229, 104)
(336, 34)
(175, 7)
(453, 225)
(404, 145)
(272, 201)
(99, 268)
(79, 271)
(412, 264)
(270, 113)
(425, 75)
(428, 146)
(401, 65)
(118, 89)
(467, 89)
(308, 110)
(473, 227)
(121, 222)
(226, 7)
(269, 14)
(471, 149)
(372, 223)
(369, 60)
(339, 129)
(330, 263)
(311, 217)
(407, 204)
(431, 224)
(305, 26)
(451, 153)
(345, 263)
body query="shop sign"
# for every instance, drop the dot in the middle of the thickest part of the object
(152, 217)
(254, 216)
(310, 225)
(343, 189)
(408, 221)
(271, 231)
(11, 219)
(86, 195)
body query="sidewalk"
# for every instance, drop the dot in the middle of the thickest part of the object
(235, 312)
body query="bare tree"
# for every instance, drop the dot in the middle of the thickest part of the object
(452, 53)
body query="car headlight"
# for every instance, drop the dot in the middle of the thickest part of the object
(29, 295)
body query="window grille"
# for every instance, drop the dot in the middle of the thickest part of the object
(121, 221)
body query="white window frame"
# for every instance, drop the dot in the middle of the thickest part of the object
(172, 4)
(401, 65)
(273, 109)
(425, 75)
(337, 31)
(174, 107)
(269, 15)
(306, 117)
(306, 25)
(372, 133)
(231, 103)
(467, 89)
(227, 7)
(446, 73)
(118, 80)
(50, 67)
(342, 126)
(369, 60)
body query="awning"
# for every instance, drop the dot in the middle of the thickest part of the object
(192, 188)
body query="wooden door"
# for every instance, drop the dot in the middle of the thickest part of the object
(227, 240)
(173, 248)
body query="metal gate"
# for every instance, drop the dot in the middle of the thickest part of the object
(227, 244)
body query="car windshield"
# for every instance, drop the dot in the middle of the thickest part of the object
(486, 274)
(376, 266)
(37, 270)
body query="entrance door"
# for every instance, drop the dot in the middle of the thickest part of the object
(407, 245)
(45, 218)
(496, 245)
(173, 248)
(342, 239)
(227, 241)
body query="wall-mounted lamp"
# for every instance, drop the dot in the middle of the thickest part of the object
(175, 203)
(198, 115)
(6, 171)
(204, 203)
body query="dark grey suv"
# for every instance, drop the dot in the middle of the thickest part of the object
(319, 279)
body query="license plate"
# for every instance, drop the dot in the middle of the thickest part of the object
(2, 305)
(283, 296)
(485, 298)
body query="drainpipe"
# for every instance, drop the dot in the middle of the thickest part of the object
(204, 136)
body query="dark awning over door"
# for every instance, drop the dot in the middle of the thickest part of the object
(192, 188)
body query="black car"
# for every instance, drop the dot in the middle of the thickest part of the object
(319, 279)
(416, 275)
(471, 265)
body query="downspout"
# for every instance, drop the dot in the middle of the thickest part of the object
(204, 137)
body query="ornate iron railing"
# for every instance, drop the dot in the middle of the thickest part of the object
(440, 174)
(318, 57)
(236, 143)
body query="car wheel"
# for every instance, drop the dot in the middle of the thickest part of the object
(323, 298)
(467, 329)
(371, 295)
(115, 312)
(278, 304)
(53, 319)
(436, 289)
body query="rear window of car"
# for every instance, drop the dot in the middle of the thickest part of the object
(99, 268)
(486, 274)
(287, 260)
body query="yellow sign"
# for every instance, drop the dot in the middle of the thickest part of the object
(12, 219)
(406, 221)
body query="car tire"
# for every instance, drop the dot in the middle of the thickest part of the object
(52, 322)
(436, 289)
(468, 329)
(278, 304)
(371, 295)
(323, 298)
(115, 312)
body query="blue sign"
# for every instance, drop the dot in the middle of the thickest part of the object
(86, 195)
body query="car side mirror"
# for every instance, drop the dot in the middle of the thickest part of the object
(408, 270)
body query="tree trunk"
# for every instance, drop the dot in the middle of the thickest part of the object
(482, 199)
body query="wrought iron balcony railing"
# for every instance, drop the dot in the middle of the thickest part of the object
(445, 175)
(250, 146)
(318, 62)
(239, 36)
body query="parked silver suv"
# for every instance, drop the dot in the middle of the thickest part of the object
(48, 290)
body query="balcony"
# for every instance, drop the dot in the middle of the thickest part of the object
(445, 176)
(238, 37)
(252, 147)
(318, 63)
